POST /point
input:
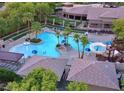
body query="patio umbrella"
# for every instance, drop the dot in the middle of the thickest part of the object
(109, 43)
(88, 49)
(34, 51)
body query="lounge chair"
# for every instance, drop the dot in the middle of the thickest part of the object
(1, 64)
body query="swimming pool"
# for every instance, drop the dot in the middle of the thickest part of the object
(48, 47)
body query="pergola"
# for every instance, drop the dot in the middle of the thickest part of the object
(10, 60)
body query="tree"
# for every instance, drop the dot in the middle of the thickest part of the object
(84, 41)
(75, 86)
(7, 76)
(121, 83)
(118, 28)
(12, 5)
(67, 32)
(43, 10)
(58, 36)
(3, 25)
(28, 18)
(15, 19)
(27, 12)
(77, 39)
(36, 27)
(38, 80)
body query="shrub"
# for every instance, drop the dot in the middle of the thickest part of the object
(58, 45)
(75, 86)
(67, 44)
(35, 40)
(7, 76)
(38, 80)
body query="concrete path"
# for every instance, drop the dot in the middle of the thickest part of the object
(100, 38)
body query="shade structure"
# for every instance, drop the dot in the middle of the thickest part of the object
(10, 56)
(88, 49)
(55, 65)
(101, 74)
(109, 43)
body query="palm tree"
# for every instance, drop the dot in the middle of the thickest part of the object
(27, 11)
(28, 18)
(15, 18)
(84, 41)
(65, 36)
(77, 38)
(2, 26)
(36, 27)
(67, 32)
(58, 36)
(43, 10)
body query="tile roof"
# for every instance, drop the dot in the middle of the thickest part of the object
(55, 65)
(96, 13)
(102, 74)
(76, 10)
(10, 56)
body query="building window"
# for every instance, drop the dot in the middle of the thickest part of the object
(93, 25)
(71, 16)
(64, 15)
(77, 17)
(107, 25)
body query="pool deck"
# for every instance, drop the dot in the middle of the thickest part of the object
(21, 40)
(68, 54)
(101, 38)
(8, 46)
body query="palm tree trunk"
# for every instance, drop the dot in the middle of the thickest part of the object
(17, 29)
(78, 50)
(109, 55)
(36, 34)
(113, 52)
(29, 28)
(40, 17)
(58, 39)
(45, 20)
(82, 53)
(67, 40)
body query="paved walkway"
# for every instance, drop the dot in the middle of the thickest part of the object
(101, 37)
(21, 40)
(8, 46)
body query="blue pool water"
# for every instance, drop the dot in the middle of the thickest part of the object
(99, 48)
(47, 47)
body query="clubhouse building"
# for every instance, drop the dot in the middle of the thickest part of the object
(94, 17)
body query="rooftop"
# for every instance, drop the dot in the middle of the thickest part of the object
(102, 74)
(96, 13)
(10, 56)
(55, 65)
